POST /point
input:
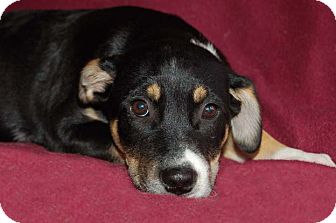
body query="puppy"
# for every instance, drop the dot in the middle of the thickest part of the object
(135, 86)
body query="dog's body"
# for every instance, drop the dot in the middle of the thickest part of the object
(134, 85)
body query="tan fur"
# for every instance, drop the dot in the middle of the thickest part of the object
(225, 137)
(93, 79)
(133, 169)
(94, 115)
(271, 149)
(154, 92)
(115, 135)
(116, 155)
(132, 162)
(215, 161)
(214, 168)
(151, 168)
(200, 94)
(231, 151)
(117, 152)
(267, 147)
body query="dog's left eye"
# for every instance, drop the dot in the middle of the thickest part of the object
(210, 111)
(140, 108)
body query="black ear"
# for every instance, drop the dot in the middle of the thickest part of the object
(96, 78)
(246, 124)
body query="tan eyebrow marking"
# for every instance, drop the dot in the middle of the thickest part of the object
(200, 94)
(154, 92)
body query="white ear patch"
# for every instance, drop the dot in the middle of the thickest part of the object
(208, 46)
(246, 127)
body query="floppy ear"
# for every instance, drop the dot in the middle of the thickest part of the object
(246, 120)
(95, 80)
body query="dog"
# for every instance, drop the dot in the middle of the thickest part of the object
(132, 86)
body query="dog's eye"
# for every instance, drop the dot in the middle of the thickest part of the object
(140, 108)
(210, 111)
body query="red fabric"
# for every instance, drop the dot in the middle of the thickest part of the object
(288, 48)
(39, 186)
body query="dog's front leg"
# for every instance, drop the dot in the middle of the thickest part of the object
(271, 149)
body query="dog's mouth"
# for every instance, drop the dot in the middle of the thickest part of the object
(189, 176)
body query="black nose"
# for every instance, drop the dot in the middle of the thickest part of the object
(178, 180)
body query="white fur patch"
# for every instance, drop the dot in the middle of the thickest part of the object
(208, 46)
(296, 154)
(246, 125)
(201, 166)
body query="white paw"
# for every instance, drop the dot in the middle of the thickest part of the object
(324, 159)
(296, 154)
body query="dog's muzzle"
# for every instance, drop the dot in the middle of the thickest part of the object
(189, 175)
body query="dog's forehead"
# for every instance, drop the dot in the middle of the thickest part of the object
(178, 71)
(176, 79)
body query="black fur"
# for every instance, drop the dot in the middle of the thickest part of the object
(42, 54)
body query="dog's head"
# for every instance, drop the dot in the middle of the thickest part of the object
(171, 108)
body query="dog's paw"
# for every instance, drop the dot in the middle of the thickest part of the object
(324, 159)
(296, 154)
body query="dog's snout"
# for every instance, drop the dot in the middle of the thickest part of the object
(178, 180)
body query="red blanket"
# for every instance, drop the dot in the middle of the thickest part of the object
(288, 48)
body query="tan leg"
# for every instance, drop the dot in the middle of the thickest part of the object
(271, 149)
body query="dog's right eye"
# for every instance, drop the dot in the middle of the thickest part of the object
(140, 108)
